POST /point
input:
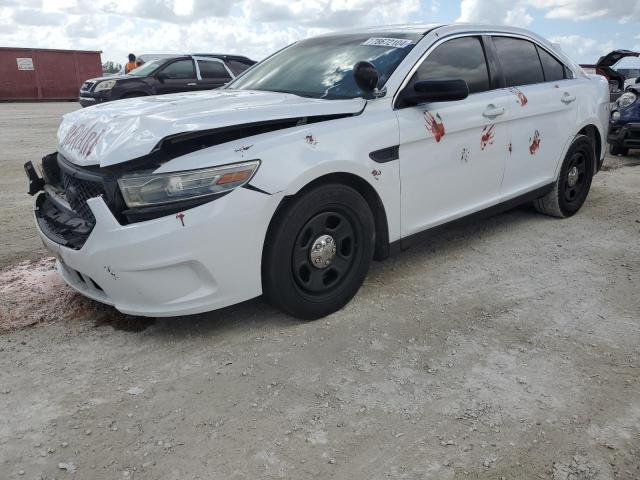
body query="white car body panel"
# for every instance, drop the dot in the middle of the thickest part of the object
(211, 256)
(112, 133)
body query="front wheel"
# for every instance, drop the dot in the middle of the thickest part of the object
(613, 150)
(318, 251)
(573, 184)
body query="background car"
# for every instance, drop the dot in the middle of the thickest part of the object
(182, 73)
(624, 127)
(605, 67)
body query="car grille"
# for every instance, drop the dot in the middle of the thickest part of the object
(78, 191)
(86, 86)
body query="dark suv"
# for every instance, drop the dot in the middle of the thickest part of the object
(183, 73)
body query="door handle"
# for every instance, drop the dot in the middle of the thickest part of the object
(493, 111)
(191, 84)
(567, 98)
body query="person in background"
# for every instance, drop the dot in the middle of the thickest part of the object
(131, 64)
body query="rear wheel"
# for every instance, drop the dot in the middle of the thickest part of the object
(318, 251)
(613, 150)
(573, 184)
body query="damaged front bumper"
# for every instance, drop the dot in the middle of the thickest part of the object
(201, 259)
(625, 136)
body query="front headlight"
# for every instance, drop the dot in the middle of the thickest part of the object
(161, 188)
(626, 99)
(105, 85)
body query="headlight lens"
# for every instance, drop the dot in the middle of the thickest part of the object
(157, 189)
(627, 99)
(105, 85)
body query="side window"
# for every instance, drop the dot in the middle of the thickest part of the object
(458, 58)
(553, 69)
(212, 69)
(180, 69)
(519, 61)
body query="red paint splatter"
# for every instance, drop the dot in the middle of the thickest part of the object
(535, 143)
(522, 98)
(311, 140)
(510, 147)
(180, 217)
(376, 173)
(487, 136)
(434, 125)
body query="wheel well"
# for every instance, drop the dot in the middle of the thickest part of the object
(372, 198)
(592, 132)
(134, 94)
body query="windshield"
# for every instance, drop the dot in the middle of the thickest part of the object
(323, 67)
(146, 68)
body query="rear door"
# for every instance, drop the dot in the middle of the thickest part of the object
(213, 73)
(452, 154)
(178, 76)
(543, 112)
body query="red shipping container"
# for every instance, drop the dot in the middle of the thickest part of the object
(43, 74)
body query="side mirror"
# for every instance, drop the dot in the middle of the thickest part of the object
(162, 77)
(426, 91)
(366, 77)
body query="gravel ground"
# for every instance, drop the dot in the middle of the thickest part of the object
(508, 348)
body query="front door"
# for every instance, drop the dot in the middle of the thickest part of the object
(452, 154)
(178, 76)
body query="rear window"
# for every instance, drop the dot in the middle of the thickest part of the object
(458, 58)
(212, 69)
(553, 69)
(519, 60)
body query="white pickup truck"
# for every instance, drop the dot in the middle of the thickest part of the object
(332, 152)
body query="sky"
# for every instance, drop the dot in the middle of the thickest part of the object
(585, 29)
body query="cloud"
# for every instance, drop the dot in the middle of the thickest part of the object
(518, 12)
(33, 17)
(583, 47)
(254, 28)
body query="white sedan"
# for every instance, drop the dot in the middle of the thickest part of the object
(332, 152)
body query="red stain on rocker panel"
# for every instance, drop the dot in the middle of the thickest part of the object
(522, 98)
(534, 146)
(434, 125)
(311, 140)
(180, 217)
(487, 136)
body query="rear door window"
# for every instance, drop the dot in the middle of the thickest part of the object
(212, 69)
(458, 58)
(180, 69)
(519, 60)
(553, 69)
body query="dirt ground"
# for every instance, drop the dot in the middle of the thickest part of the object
(509, 348)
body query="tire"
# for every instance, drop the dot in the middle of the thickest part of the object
(567, 197)
(613, 150)
(290, 279)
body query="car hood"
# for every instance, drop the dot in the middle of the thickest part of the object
(115, 132)
(115, 76)
(611, 58)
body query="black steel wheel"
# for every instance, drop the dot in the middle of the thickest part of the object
(318, 251)
(572, 186)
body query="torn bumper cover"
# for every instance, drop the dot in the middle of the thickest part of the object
(625, 136)
(177, 264)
